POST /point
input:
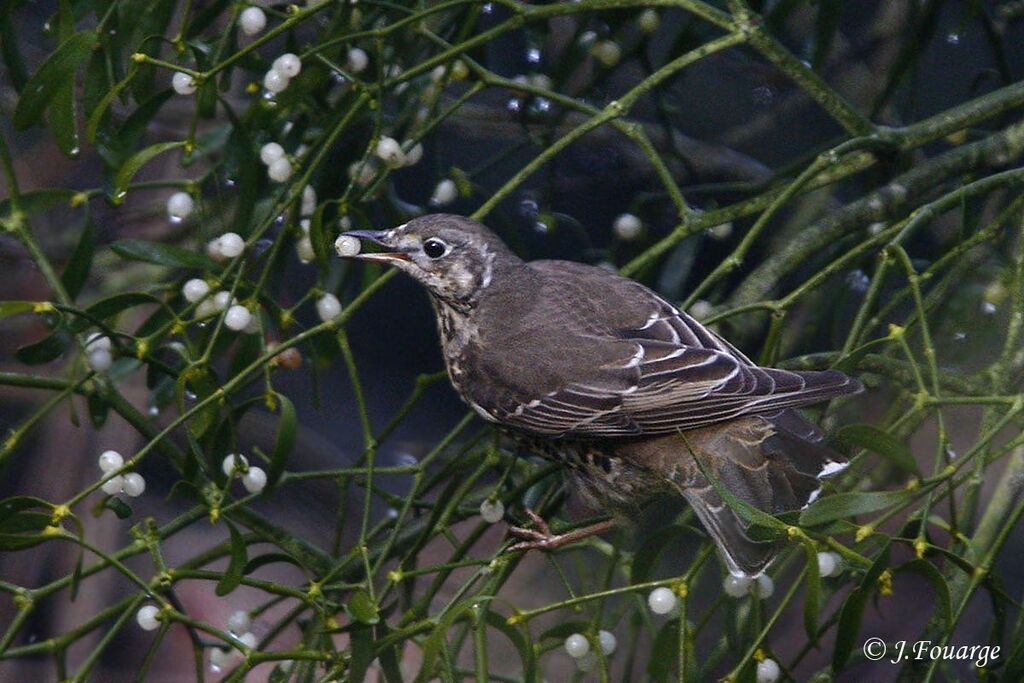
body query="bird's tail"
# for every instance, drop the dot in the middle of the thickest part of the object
(772, 462)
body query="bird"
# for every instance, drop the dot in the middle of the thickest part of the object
(634, 397)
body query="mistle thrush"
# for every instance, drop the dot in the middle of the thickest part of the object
(599, 373)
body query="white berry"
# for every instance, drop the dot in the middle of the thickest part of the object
(180, 205)
(100, 360)
(97, 341)
(279, 170)
(390, 152)
(231, 244)
(445, 193)
(346, 245)
(829, 564)
(362, 172)
(134, 484)
(249, 640)
(288, 64)
(721, 232)
(113, 486)
(661, 600)
(357, 60)
(736, 586)
(701, 309)
(221, 659)
(328, 307)
(608, 641)
(222, 300)
(182, 83)
(275, 81)
(763, 587)
(627, 227)
(194, 290)
(304, 248)
(232, 462)
(110, 461)
(308, 201)
(239, 622)
(492, 510)
(147, 617)
(767, 671)
(254, 480)
(252, 20)
(577, 645)
(648, 21)
(206, 308)
(607, 52)
(237, 318)
(271, 152)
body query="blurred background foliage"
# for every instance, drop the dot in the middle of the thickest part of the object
(826, 183)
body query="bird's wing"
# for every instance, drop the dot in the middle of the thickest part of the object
(627, 363)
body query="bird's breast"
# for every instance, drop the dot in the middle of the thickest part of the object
(460, 340)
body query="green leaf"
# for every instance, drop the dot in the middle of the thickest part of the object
(847, 505)
(1014, 668)
(11, 507)
(825, 32)
(233, 576)
(362, 639)
(45, 350)
(76, 272)
(943, 602)
(647, 554)
(286, 432)
(435, 641)
(62, 117)
(565, 629)
(851, 614)
(268, 558)
(134, 163)
(100, 110)
(57, 73)
(664, 652)
(118, 507)
(520, 639)
(877, 441)
(812, 595)
(9, 308)
(105, 309)
(21, 524)
(98, 410)
(161, 254)
(76, 575)
(116, 146)
(15, 63)
(362, 608)
(36, 201)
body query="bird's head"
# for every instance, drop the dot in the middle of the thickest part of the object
(454, 257)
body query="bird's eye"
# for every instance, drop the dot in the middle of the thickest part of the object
(434, 248)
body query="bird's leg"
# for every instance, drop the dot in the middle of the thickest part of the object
(541, 537)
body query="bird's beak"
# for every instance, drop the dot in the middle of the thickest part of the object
(389, 254)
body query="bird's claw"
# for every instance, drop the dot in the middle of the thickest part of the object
(541, 537)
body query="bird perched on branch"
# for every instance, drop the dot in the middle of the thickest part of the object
(599, 373)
